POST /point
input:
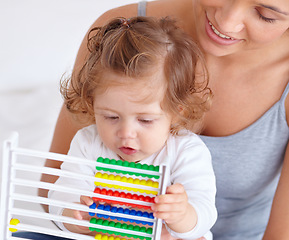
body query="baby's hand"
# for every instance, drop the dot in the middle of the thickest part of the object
(174, 208)
(79, 215)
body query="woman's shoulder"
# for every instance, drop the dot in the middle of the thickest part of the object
(176, 9)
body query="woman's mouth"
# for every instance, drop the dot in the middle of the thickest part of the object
(218, 37)
(127, 150)
(218, 33)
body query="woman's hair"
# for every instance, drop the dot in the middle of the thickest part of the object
(133, 48)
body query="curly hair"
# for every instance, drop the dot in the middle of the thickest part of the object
(132, 47)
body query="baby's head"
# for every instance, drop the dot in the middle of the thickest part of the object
(151, 58)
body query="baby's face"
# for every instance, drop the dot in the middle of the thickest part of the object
(130, 120)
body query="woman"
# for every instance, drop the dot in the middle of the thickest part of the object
(246, 47)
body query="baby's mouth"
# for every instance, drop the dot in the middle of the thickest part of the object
(128, 150)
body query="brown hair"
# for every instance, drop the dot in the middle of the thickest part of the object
(132, 47)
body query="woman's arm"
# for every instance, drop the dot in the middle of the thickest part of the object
(277, 227)
(64, 131)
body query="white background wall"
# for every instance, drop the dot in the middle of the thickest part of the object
(40, 38)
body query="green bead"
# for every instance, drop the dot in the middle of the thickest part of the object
(99, 221)
(149, 231)
(151, 167)
(138, 165)
(100, 159)
(145, 167)
(118, 225)
(112, 161)
(132, 164)
(93, 220)
(136, 228)
(125, 164)
(124, 226)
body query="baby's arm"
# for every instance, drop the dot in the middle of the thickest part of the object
(188, 207)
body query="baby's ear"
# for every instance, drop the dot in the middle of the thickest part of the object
(181, 109)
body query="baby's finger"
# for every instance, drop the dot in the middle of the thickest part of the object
(179, 208)
(86, 200)
(171, 198)
(175, 188)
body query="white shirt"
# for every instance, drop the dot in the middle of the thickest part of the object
(186, 155)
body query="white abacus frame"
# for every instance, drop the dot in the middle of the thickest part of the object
(9, 196)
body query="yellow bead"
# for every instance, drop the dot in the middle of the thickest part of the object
(155, 185)
(105, 176)
(117, 178)
(103, 184)
(141, 190)
(111, 177)
(143, 182)
(149, 183)
(104, 237)
(98, 175)
(111, 238)
(98, 236)
(123, 179)
(97, 183)
(130, 180)
(136, 181)
(14, 221)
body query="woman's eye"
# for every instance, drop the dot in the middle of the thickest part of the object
(266, 19)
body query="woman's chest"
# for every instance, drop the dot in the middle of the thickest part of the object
(239, 99)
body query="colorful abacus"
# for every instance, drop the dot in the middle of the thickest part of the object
(131, 179)
(132, 186)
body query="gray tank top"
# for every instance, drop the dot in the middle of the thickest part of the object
(247, 167)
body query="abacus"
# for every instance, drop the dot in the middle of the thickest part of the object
(123, 194)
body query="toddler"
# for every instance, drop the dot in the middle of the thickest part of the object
(142, 92)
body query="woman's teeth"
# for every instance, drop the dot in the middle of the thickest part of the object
(218, 33)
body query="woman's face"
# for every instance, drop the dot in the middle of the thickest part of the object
(228, 26)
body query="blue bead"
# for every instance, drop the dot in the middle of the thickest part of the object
(92, 206)
(100, 206)
(113, 209)
(132, 212)
(120, 210)
(107, 208)
(145, 214)
(126, 211)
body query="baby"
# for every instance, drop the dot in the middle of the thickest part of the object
(143, 91)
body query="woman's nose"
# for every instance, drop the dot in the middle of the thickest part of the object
(230, 17)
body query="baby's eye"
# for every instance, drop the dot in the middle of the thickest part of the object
(146, 121)
(111, 117)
